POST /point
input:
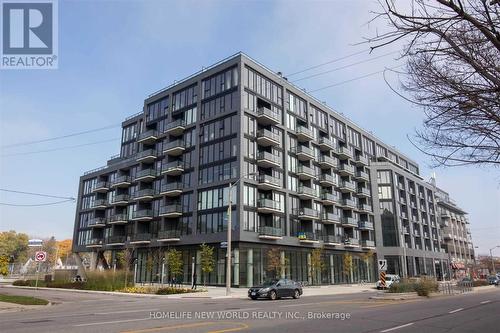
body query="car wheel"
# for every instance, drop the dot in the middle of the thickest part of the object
(296, 294)
(272, 295)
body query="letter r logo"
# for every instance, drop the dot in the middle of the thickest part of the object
(27, 28)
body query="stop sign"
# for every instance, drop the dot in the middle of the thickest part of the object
(40, 256)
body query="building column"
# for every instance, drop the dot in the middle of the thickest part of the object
(282, 261)
(309, 275)
(250, 267)
(236, 267)
(198, 267)
(332, 270)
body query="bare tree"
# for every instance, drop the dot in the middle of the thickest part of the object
(452, 54)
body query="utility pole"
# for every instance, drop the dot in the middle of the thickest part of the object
(492, 261)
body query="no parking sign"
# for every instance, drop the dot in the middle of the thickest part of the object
(40, 256)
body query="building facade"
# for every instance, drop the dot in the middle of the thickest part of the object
(306, 177)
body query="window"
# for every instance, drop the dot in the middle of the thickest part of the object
(262, 86)
(384, 177)
(296, 105)
(220, 82)
(384, 192)
(249, 195)
(215, 198)
(222, 104)
(185, 97)
(157, 109)
(129, 133)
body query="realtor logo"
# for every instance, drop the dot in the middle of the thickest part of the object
(29, 34)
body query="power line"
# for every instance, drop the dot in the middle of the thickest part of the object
(353, 79)
(346, 66)
(37, 194)
(328, 62)
(60, 137)
(35, 205)
(60, 148)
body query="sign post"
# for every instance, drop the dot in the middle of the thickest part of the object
(382, 268)
(40, 256)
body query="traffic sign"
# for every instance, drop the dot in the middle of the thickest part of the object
(382, 265)
(35, 242)
(223, 245)
(40, 256)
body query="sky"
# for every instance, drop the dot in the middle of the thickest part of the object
(113, 54)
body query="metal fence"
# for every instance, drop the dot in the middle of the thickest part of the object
(449, 288)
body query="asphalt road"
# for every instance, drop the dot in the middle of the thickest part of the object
(79, 312)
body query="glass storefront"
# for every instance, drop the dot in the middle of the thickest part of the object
(251, 266)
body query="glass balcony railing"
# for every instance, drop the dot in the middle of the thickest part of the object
(97, 222)
(304, 133)
(326, 196)
(147, 192)
(140, 237)
(174, 209)
(146, 173)
(307, 213)
(365, 225)
(326, 143)
(349, 221)
(327, 179)
(149, 135)
(268, 204)
(146, 154)
(307, 236)
(175, 127)
(121, 180)
(350, 241)
(142, 214)
(327, 161)
(332, 239)
(330, 217)
(270, 181)
(172, 187)
(173, 234)
(118, 218)
(304, 191)
(121, 198)
(305, 172)
(270, 231)
(173, 168)
(268, 116)
(267, 158)
(118, 240)
(267, 137)
(303, 152)
(367, 243)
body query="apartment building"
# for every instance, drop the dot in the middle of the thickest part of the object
(304, 177)
(456, 233)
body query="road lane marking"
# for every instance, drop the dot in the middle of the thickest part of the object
(397, 327)
(112, 322)
(484, 302)
(243, 326)
(456, 310)
(166, 328)
(124, 311)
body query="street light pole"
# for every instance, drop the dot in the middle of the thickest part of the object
(229, 222)
(492, 261)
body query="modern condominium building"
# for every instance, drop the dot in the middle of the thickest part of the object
(304, 177)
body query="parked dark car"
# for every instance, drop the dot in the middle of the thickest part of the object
(274, 289)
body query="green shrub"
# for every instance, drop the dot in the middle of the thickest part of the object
(107, 280)
(423, 286)
(480, 283)
(174, 290)
(426, 286)
(402, 287)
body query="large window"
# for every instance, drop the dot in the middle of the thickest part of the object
(215, 198)
(384, 192)
(157, 109)
(185, 97)
(262, 86)
(218, 129)
(219, 151)
(129, 133)
(218, 172)
(296, 105)
(222, 104)
(220, 82)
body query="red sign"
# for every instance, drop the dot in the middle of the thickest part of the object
(40, 256)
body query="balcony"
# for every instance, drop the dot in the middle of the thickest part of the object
(145, 175)
(416, 233)
(148, 137)
(351, 242)
(118, 219)
(406, 230)
(363, 192)
(306, 193)
(169, 236)
(326, 144)
(332, 240)
(327, 180)
(330, 218)
(120, 199)
(171, 210)
(101, 187)
(268, 160)
(328, 198)
(148, 155)
(174, 148)
(365, 208)
(445, 215)
(349, 222)
(361, 160)
(94, 243)
(346, 170)
(142, 215)
(307, 237)
(344, 153)
(176, 127)
(172, 189)
(303, 153)
(146, 194)
(348, 204)
(116, 240)
(327, 162)
(268, 206)
(266, 232)
(143, 238)
(97, 222)
(174, 168)
(304, 134)
(267, 116)
(267, 138)
(347, 186)
(365, 225)
(267, 182)
(307, 214)
(121, 181)
(361, 175)
(100, 204)
(426, 235)
(367, 244)
(305, 172)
